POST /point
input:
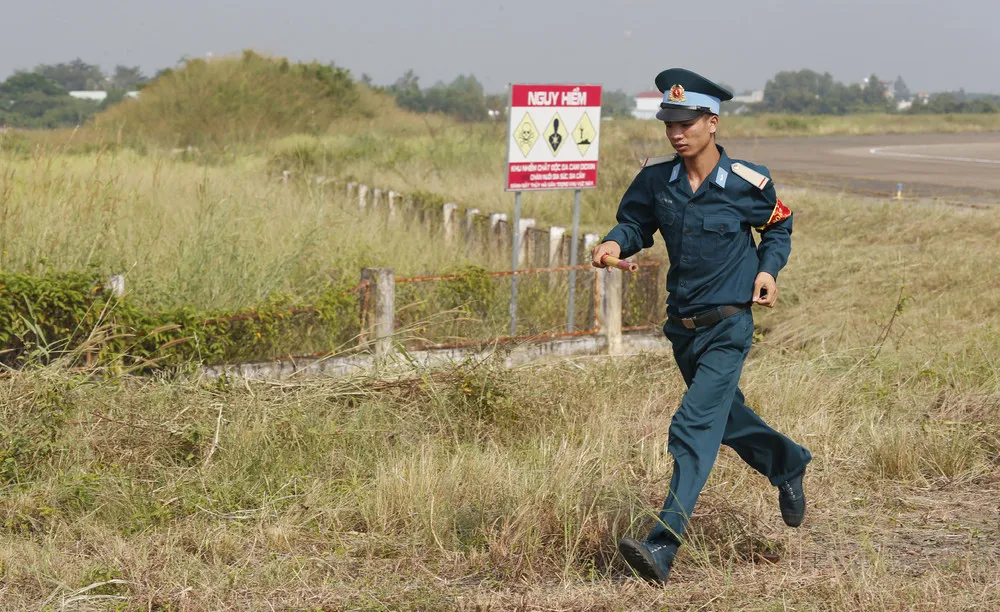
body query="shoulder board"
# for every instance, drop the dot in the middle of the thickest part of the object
(662, 159)
(751, 176)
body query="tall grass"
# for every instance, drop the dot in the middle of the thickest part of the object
(477, 485)
(231, 101)
(209, 237)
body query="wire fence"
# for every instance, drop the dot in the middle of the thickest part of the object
(467, 309)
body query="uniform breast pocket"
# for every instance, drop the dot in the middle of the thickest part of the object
(719, 235)
(664, 212)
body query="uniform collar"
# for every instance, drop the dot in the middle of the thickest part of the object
(719, 174)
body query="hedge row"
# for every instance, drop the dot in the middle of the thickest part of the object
(70, 315)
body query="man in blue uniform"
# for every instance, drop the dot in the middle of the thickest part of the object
(705, 205)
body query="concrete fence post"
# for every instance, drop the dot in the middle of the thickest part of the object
(498, 230)
(589, 242)
(350, 188)
(362, 196)
(376, 198)
(393, 196)
(449, 214)
(381, 307)
(409, 211)
(470, 223)
(556, 258)
(555, 246)
(609, 290)
(523, 245)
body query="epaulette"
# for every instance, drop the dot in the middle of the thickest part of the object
(662, 159)
(753, 177)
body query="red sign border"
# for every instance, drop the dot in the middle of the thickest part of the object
(510, 118)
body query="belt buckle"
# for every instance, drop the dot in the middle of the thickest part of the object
(688, 323)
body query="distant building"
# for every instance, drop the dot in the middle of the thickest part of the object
(94, 96)
(99, 96)
(754, 97)
(646, 104)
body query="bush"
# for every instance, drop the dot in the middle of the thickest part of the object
(68, 315)
(234, 101)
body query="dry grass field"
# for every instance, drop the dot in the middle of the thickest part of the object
(477, 487)
(482, 488)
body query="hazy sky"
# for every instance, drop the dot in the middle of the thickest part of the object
(934, 45)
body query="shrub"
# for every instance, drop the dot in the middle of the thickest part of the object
(234, 101)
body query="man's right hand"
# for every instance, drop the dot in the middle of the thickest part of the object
(605, 248)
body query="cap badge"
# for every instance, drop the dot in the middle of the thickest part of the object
(676, 94)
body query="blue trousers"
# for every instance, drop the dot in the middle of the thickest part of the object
(713, 412)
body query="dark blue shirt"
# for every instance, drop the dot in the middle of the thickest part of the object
(713, 258)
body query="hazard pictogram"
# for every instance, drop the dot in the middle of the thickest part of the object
(555, 135)
(584, 134)
(525, 135)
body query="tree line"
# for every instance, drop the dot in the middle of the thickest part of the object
(40, 98)
(811, 93)
(465, 99)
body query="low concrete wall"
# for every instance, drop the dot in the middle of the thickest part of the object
(518, 354)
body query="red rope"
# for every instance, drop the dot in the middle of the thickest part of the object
(420, 279)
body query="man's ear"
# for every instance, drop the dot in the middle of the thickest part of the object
(713, 122)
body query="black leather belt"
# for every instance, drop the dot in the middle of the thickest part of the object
(707, 318)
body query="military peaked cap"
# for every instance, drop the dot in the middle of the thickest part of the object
(686, 95)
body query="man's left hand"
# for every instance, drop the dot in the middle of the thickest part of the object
(765, 290)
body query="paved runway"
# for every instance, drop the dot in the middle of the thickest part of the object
(951, 167)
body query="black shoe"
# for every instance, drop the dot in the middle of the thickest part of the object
(650, 560)
(792, 501)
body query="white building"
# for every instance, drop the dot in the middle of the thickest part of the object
(98, 96)
(646, 104)
(754, 97)
(93, 96)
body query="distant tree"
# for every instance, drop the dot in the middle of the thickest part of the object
(805, 91)
(30, 100)
(406, 89)
(873, 93)
(463, 98)
(809, 92)
(497, 103)
(616, 103)
(74, 76)
(958, 102)
(127, 78)
(23, 83)
(900, 90)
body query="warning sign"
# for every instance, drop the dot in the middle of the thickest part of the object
(567, 156)
(525, 135)
(584, 134)
(555, 135)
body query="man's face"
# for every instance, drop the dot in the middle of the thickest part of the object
(690, 138)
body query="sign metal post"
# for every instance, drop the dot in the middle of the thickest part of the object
(552, 143)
